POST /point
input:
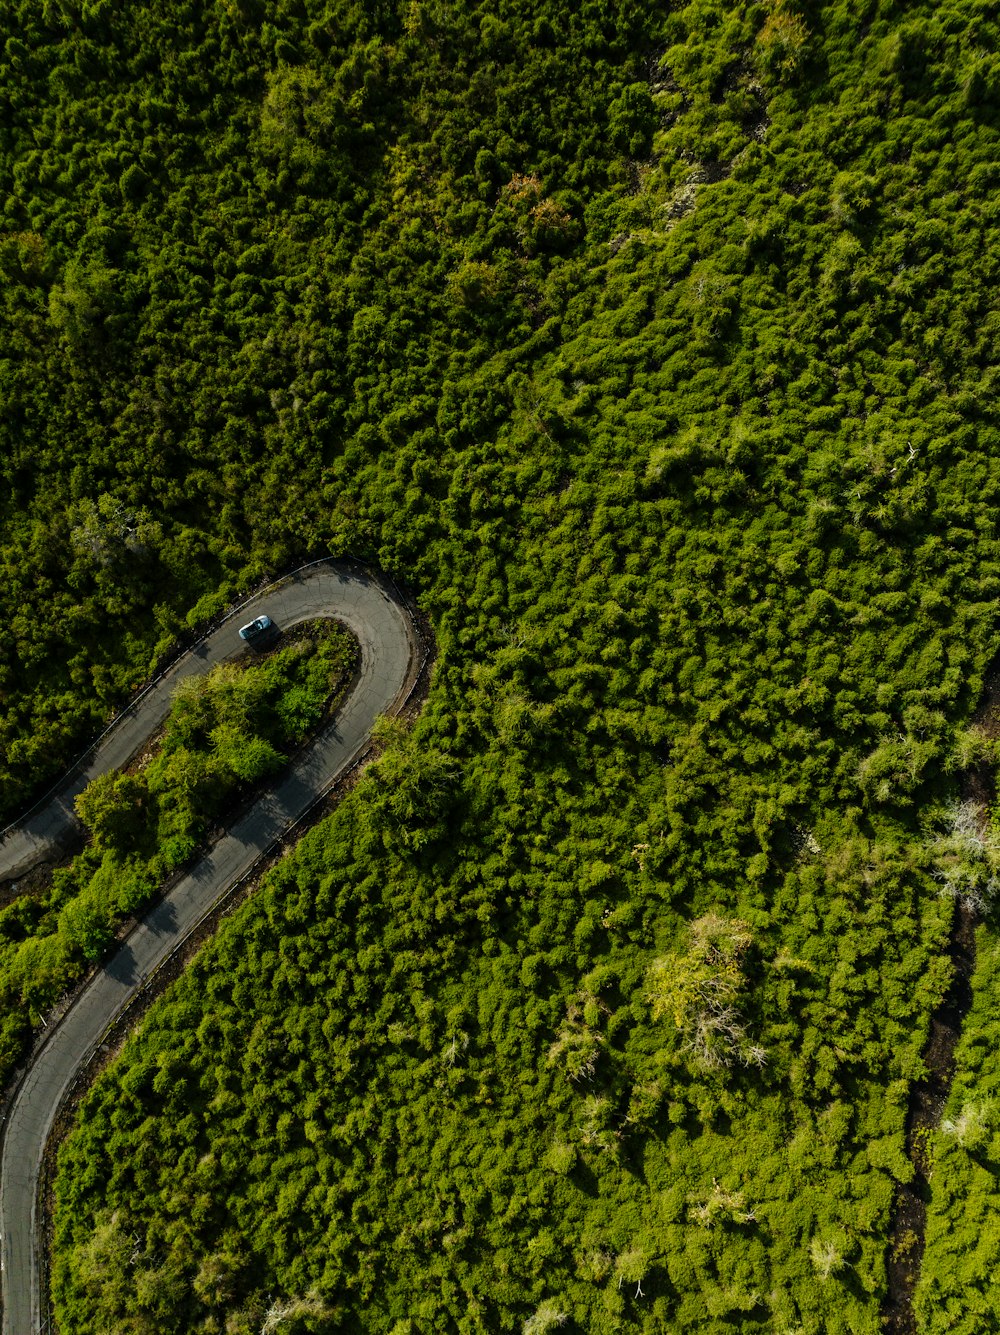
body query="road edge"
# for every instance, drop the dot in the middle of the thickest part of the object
(131, 1012)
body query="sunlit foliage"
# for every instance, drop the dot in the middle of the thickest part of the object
(655, 348)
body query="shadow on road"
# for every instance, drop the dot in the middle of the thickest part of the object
(163, 919)
(122, 967)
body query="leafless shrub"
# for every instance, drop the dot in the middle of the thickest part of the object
(720, 1205)
(972, 1125)
(281, 1311)
(546, 1317)
(967, 856)
(827, 1257)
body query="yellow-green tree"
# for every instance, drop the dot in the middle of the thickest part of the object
(702, 991)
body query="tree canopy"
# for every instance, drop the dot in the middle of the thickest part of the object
(653, 348)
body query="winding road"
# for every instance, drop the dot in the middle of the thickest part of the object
(390, 662)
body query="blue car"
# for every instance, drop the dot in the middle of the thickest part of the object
(253, 630)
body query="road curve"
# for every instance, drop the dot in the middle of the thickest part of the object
(388, 662)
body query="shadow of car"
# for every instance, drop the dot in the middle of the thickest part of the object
(259, 630)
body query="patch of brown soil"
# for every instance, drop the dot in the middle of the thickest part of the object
(927, 1100)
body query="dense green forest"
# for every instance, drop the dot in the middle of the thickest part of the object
(225, 734)
(653, 348)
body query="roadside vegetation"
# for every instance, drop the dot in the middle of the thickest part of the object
(655, 349)
(226, 733)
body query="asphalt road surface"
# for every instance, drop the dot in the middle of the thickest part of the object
(388, 661)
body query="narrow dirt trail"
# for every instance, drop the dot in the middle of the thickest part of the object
(928, 1096)
(927, 1100)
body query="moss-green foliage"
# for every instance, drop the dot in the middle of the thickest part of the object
(369, 1085)
(656, 348)
(225, 731)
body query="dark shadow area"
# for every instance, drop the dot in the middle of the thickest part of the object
(163, 919)
(259, 641)
(122, 966)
